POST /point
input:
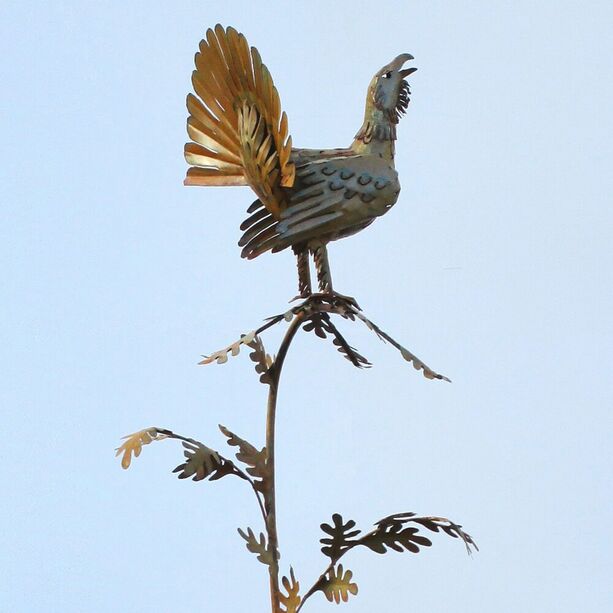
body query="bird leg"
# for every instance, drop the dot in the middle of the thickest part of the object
(324, 277)
(304, 273)
(322, 266)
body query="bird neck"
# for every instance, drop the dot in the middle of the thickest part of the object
(377, 134)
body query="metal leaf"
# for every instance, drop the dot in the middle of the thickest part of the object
(263, 361)
(134, 443)
(394, 536)
(221, 356)
(337, 585)
(201, 463)
(315, 324)
(346, 350)
(255, 460)
(259, 547)
(291, 602)
(434, 524)
(340, 534)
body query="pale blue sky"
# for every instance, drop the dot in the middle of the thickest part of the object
(494, 267)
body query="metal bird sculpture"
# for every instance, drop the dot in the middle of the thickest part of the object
(305, 197)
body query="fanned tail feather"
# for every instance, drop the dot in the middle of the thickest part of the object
(239, 134)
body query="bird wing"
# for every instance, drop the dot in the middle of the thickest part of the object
(334, 196)
(239, 134)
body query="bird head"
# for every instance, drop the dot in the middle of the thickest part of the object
(388, 90)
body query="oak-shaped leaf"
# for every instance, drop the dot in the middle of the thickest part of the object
(395, 536)
(202, 462)
(337, 585)
(134, 444)
(291, 601)
(315, 323)
(434, 524)
(255, 460)
(258, 546)
(340, 535)
(234, 349)
(262, 360)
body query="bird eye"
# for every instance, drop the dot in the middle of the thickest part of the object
(387, 75)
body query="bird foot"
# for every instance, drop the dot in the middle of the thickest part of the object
(343, 300)
(334, 299)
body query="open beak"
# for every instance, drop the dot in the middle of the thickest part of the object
(396, 64)
(401, 59)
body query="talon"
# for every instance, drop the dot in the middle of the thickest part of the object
(348, 300)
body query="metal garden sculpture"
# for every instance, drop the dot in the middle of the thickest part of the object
(305, 199)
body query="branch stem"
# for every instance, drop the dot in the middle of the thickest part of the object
(270, 503)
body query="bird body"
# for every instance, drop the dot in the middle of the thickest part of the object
(333, 196)
(305, 197)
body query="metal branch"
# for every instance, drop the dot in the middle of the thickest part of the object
(316, 308)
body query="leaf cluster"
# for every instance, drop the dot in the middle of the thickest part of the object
(398, 532)
(316, 311)
(201, 462)
(434, 524)
(390, 533)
